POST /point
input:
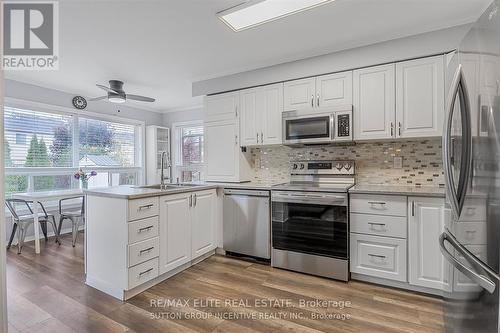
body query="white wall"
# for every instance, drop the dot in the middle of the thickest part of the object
(436, 42)
(185, 115)
(30, 92)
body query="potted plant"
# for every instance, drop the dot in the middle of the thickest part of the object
(84, 177)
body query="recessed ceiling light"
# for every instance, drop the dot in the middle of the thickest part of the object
(255, 12)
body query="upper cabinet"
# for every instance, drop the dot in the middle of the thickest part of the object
(260, 116)
(318, 92)
(420, 97)
(374, 99)
(222, 106)
(402, 100)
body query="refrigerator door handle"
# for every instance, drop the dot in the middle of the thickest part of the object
(458, 88)
(482, 280)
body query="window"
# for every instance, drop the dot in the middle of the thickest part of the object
(44, 149)
(188, 151)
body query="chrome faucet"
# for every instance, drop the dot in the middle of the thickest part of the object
(162, 176)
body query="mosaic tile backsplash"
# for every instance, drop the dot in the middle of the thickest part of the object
(422, 162)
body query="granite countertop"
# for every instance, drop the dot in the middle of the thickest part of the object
(428, 191)
(134, 192)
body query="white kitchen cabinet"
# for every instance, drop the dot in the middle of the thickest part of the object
(374, 99)
(299, 94)
(427, 267)
(222, 106)
(260, 117)
(420, 97)
(249, 126)
(224, 160)
(175, 231)
(319, 92)
(157, 141)
(203, 222)
(334, 90)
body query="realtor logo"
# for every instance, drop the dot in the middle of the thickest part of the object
(30, 35)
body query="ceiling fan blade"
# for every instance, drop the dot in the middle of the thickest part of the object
(107, 89)
(98, 98)
(140, 98)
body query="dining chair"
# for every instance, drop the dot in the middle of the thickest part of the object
(21, 222)
(75, 216)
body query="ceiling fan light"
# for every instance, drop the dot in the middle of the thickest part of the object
(116, 99)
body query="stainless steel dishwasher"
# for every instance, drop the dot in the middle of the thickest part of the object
(247, 222)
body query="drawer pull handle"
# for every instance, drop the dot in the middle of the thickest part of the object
(148, 228)
(145, 272)
(145, 207)
(376, 202)
(380, 224)
(149, 249)
(376, 256)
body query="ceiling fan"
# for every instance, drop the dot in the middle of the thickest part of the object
(116, 94)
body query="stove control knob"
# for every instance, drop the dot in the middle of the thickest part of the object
(302, 166)
(339, 166)
(295, 166)
(347, 166)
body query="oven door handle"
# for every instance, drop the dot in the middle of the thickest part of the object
(309, 198)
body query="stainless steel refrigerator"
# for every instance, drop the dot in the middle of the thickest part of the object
(470, 242)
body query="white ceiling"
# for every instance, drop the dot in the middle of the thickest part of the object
(160, 47)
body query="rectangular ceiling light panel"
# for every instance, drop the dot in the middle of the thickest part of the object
(257, 12)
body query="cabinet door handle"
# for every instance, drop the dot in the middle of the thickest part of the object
(149, 227)
(317, 103)
(312, 100)
(236, 139)
(145, 272)
(257, 137)
(236, 111)
(191, 200)
(413, 208)
(194, 202)
(392, 129)
(377, 256)
(149, 249)
(399, 128)
(145, 207)
(261, 137)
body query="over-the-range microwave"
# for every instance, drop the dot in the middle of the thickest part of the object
(324, 127)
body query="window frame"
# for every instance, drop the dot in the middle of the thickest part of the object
(31, 172)
(177, 149)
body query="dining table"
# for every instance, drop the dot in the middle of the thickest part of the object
(38, 198)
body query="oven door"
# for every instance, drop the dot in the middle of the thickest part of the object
(299, 128)
(310, 222)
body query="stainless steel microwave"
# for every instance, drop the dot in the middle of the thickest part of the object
(306, 127)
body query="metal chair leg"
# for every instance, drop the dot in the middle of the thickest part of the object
(44, 230)
(21, 233)
(56, 231)
(61, 219)
(14, 228)
(75, 230)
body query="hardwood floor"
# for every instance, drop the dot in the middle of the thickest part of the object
(46, 293)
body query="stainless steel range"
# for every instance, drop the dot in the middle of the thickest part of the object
(310, 219)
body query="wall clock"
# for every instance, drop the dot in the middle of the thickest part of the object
(79, 102)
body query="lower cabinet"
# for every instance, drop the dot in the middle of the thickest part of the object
(187, 227)
(426, 265)
(382, 257)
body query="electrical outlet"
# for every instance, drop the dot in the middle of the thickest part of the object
(398, 162)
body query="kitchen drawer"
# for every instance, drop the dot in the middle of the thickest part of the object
(142, 229)
(142, 208)
(471, 233)
(389, 226)
(377, 256)
(142, 273)
(474, 210)
(143, 251)
(379, 204)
